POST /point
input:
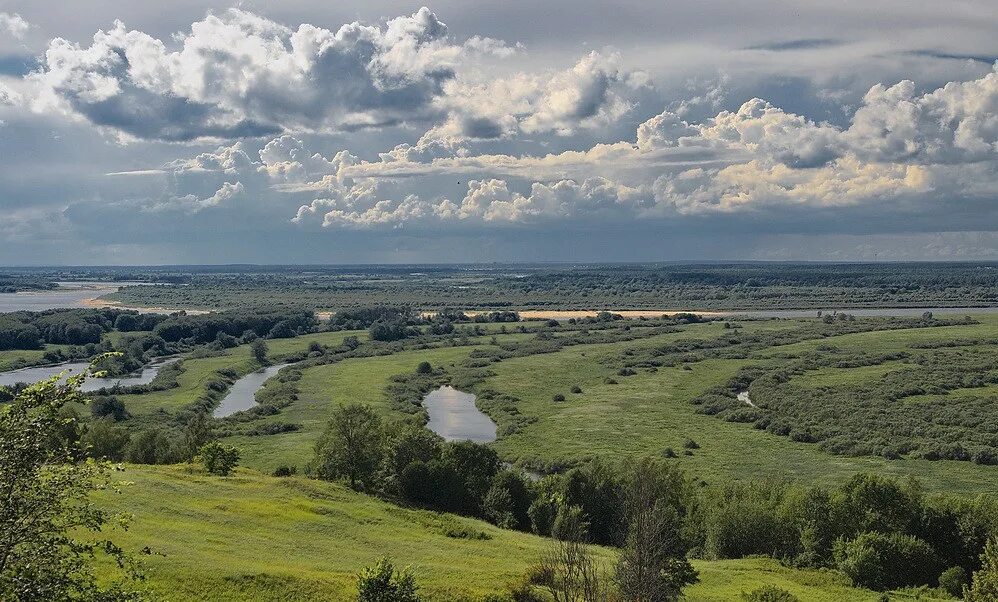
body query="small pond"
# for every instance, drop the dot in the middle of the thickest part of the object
(37, 373)
(242, 394)
(454, 417)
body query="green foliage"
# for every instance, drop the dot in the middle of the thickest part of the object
(105, 440)
(49, 524)
(769, 593)
(653, 566)
(703, 286)
(259, 350)
(109, 407)
(383, 583)
(953, 580)
(886, 561)
(351, 447)
(984, 587)
(508, 500)
(155, 446)
(219, 459)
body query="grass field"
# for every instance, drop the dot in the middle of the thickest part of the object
(253, 537)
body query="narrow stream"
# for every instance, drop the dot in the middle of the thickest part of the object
(37, 373)
(242, 394)
(454, 417)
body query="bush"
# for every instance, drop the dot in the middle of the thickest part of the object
(690, 444)
(953, 580)
(219, 459)
(769, 593)
(382, 583)
(558, 397)
(880, 561)
(105, 440)
(109, 407)
(285, 471)
(154, 446)
(576, 389)
(424, 368)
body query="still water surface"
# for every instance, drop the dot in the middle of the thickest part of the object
(242, 394)
(454, 417)
(37, 373)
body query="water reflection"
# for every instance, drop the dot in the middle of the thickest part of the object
(454, 417)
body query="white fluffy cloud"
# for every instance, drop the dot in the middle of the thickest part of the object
(900, 148)
(237, 74)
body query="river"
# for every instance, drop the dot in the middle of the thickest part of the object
(69, 294)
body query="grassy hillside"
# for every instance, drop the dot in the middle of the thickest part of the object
(253, 537)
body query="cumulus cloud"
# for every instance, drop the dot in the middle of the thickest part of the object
(236, 74)
(901, 149)
(593, 92)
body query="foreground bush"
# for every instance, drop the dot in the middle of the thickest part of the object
(382, 583)
(219, 459)
(880, 561)
(769, 593)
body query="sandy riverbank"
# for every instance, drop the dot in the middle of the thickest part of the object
(101, 303)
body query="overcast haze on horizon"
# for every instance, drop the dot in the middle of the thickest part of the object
(388, 132)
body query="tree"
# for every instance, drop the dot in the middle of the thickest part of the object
(508, 500)
(102, 407)
(476, 464)
(652, 566)
(382, 583)
(105, 440)
(197, 433)
(219, 459)
(350, 447)
(259, 350)
(569, 571)
(984, 587)
(47, 490)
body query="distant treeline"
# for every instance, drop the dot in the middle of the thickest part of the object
(14, 283)
(694, 286)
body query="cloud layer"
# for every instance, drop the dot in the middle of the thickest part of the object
(242, 125)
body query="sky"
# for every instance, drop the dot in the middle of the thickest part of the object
(312, 131)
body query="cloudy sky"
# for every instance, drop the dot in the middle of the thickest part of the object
(524, 130)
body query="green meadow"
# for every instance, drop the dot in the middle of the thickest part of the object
(252, 537)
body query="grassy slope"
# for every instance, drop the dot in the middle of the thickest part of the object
(252, 537)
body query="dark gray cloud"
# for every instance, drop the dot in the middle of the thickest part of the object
(801, 44)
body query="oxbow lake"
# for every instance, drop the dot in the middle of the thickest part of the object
(242, 394)
(37, 373)
(454, 417)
